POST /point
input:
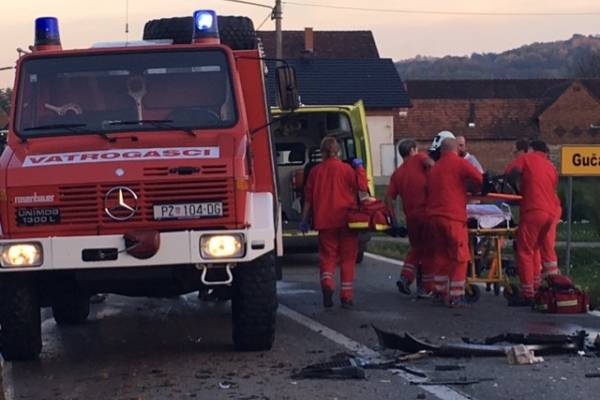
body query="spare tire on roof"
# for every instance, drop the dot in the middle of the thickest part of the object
(236, 32)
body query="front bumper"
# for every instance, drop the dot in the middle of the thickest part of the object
(65, 253)
(176, 248)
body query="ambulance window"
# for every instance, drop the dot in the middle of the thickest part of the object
(290, 154)
(337, 122)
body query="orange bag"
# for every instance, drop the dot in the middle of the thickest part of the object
(369, 216)
(558, 295)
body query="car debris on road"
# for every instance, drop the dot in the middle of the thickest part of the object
(541, 344)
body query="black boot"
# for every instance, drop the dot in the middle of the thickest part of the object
(327, 298)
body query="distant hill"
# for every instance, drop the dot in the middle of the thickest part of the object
(561, 59)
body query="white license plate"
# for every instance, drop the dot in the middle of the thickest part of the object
(188, 210)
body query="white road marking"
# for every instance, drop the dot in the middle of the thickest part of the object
(441, 392)
(290, 289)
(384, 259)
(594, 313)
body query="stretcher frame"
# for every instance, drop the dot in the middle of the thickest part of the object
(495, 274)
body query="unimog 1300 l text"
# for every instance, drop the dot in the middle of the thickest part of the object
(144, 169)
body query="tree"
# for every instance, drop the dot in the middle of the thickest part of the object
(5, 95)
(588, 65)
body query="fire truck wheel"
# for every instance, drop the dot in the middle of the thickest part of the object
(254, 304)
(235, 32)
(21, 336)
(71, 309)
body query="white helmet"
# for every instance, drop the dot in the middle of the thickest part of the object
(439, 138)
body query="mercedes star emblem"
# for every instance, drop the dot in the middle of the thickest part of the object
(120, 203)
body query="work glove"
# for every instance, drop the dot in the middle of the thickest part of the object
(357, 162)
(304, 226)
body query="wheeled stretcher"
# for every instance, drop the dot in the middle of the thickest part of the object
(489, 226)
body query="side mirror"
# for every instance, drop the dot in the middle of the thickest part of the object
(287, 88)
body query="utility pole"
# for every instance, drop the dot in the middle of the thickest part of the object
(278, 16)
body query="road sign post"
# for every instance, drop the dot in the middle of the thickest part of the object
(569, 222)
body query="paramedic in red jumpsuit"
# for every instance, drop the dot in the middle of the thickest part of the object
(540, 211)
(521, 148)
(409, 182)
(448, 183)
(331, 190)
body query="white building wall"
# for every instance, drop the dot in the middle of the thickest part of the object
(381, 133)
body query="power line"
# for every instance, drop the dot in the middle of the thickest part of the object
(433, 12)
(251, 3)
(268, 17)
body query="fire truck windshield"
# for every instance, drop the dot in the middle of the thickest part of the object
(104, 93)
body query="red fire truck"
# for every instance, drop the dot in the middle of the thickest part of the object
(144, 169)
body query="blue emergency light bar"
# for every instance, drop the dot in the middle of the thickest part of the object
(46, 31)
(205, 25)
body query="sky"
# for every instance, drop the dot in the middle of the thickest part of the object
(398, 35)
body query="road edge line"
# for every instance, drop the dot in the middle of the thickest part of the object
(385, 259)
(441, 392)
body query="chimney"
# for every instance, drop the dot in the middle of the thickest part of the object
(309, 41)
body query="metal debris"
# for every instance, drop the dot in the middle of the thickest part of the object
(411, 371)
(535, 338)
(449, 367)
(460, 381)
(345, 369)
(550, 344)
(415, 356)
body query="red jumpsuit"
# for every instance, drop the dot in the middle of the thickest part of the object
(331, 191)
(447, 214)
(539, 214)
(409, 182)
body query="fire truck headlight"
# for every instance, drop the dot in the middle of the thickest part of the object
(17, 255)
(222, 246)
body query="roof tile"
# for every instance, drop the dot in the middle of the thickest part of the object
(329, 82)
(356, 44)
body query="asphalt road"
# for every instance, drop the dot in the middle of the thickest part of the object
(180, 348)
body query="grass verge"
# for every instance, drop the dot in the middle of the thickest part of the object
(393, 250)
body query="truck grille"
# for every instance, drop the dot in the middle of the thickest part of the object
(83, 205)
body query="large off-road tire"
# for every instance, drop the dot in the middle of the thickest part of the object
(21, 335)
(254, 304)
(178, 29)
(71, 308)
(236, 32)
